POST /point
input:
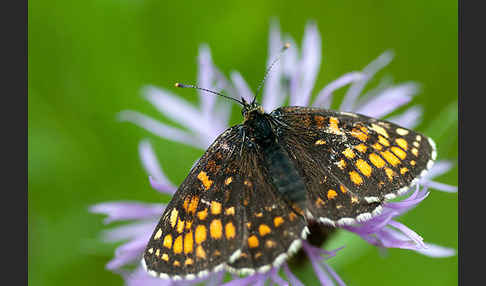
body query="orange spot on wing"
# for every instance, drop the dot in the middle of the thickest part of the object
(167, 241)
(230, 230)
(200, 252)
(343, 189)
(341, 164)
(263, 229)
(403, 170)
(180, 225)
(189, 261)
(361, 148)
(173, 217)
(390, 158)
(349, 153)
(376, 160)
(228, 181)
(216, 229)
(188, 243)
(201, 234)
(165, 257)
(193, 205)
(358, 134)
(363, 167)
(178, 244)
(402, 143)
(203, 177)
(277, 221)
(389, 172)
(230, 211)
(331, 194)
(253, 241)
(399, 152)
(202, 214)
(215, 207)
(355, 178)
(334, 125)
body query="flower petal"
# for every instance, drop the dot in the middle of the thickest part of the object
(127, 253)
(440, 186)
(272, 90)
(389, 100)
(439, 168)
(176, 108)
(408, 119)
(294, 281)
(131, 231)
(160, 129)
(151, 164)
(242, 87)
(433, 250)
(205, 79)
(308, 66)
(369, 71)
(126, 210)
(324, 97)
(161, 187)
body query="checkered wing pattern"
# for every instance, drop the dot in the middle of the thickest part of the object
(225, 215)
(351, 163)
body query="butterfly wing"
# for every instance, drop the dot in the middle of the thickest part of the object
(351, 162)
(200, 227)
(226, 214)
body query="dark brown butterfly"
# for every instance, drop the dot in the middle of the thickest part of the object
(247, 203)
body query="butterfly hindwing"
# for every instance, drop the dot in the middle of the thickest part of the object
(351, 162)
(273, 229)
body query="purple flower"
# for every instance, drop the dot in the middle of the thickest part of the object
(291, 79)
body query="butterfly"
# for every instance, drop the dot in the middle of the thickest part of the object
(246, 205)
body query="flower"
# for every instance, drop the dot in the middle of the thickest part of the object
(291, 79)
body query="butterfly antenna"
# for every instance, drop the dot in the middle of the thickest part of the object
(267, 72)
(180, 85)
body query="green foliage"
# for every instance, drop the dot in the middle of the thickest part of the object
(89, 59)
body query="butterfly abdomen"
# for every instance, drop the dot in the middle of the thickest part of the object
(285, 176)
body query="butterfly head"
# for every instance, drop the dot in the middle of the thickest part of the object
(249, 110)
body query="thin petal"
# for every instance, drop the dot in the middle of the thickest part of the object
(127, 210)
(131, 231)
(294, 281)
(315, 259)
(440, 186)
(408, 232)
(433, 250)
(176, 108)
(160, 129)
(205, 79)
(272, 90)
(242, 87)
(439, 168)
(162, 187)
(309, 65)
(389, 100)
(151, 164)
(408, 119)
(369, 71)
(333, 274)
(324, 97)
(127, 253)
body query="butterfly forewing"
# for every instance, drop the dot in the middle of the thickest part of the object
(201, 226)
(351, 162)
(226, 213)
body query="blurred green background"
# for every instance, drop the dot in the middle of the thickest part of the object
(89, 59)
